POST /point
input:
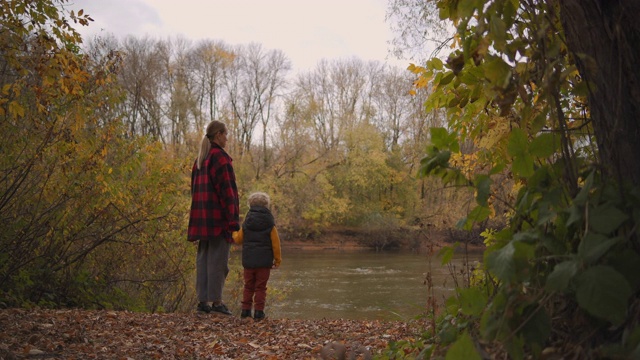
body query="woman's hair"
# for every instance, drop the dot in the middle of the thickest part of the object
(259, 199)
(213, 128)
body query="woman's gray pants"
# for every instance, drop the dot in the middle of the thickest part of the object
(212, 268)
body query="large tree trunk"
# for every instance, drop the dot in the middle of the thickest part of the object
(604, 37)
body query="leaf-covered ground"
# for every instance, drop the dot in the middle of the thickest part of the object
(81, 334)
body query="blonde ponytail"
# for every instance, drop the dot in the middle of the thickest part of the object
(213, 128)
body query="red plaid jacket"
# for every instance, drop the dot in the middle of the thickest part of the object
(214, 198)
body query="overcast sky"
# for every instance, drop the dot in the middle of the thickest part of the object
(305, 30)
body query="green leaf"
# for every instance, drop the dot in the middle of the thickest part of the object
(560, 277)
(575, 215)
(606, 218)
(483, 188)
(497, 168)
(498, 32)
(463, 348)
(500, 262)
(439, 137)
(628, 264)
(546, 208)
(472, 300)
(478, 214)
(523, 165)
(466, 8)
(544, 145)
(583, 195)
(434, 163)
(435, 63)
(517, 147)
(512, 261)
(593, 246)
(604, 293)
(452, 305)
(446, 79)
(538, 328)
(472, 77)
(530, 236)
(498, 72)
(447, 254)
(555, 245)
(442, 139)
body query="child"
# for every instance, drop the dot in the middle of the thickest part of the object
(260, 252)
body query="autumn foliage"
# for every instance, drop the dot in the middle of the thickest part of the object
(82, 206)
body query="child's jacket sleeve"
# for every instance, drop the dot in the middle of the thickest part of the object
(275, 244)
(238, 236)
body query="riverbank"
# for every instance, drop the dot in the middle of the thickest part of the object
(407, 239)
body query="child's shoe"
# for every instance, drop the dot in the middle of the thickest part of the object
(245, 314)
(259, 315)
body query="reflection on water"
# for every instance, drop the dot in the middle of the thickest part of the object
(356, 285)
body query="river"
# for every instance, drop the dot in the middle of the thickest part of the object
(359, 285)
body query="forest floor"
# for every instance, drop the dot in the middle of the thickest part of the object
(83, 334)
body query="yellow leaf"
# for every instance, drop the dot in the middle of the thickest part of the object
(16, 109)
(421, 82)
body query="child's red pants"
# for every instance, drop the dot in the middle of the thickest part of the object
(255, 288)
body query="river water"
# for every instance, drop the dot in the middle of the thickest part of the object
(359, 285)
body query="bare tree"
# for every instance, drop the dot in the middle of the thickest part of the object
(210, 60)
(393, 103)
(270, 81)
(334, 93)
(140, 77)
(179, 86)
(253, 83)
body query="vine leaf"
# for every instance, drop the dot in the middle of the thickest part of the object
(517, 147)
(447, 253)
(544, 145)
(498, 72)
(538, 328)
(606, 218)
(594, 246)
(500, 262)
(463, 348)
(478, 214)
(561, 275)
(483, 188)
(472, 300)
(604, 293)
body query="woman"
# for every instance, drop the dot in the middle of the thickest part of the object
(213, 217)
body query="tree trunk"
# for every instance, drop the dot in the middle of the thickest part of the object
(604, 37)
